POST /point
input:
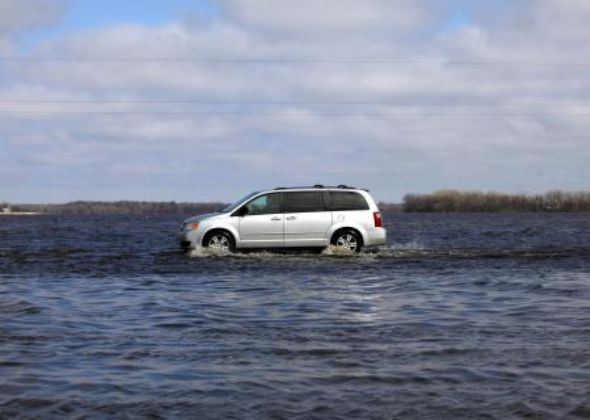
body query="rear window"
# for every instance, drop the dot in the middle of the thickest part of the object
(346, 200)
(301, 202)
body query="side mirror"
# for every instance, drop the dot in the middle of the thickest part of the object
(242, 211)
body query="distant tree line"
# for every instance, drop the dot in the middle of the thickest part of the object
(390, 207)
(439, 201)
(120, 207)
(476, 201)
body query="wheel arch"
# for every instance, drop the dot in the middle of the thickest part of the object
(214, 229)
(342, 228)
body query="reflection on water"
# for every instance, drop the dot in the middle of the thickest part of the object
(458, 316)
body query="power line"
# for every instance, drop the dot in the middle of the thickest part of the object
(286, 102)
(285, 113)
(296, 60)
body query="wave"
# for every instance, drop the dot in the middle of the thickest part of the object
(411, 250)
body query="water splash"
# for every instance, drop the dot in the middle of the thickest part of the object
(204, 252)
(400, 251)
(333, 250)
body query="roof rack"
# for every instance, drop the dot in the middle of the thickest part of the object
(341, 186)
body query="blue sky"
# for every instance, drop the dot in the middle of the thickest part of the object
(84, 15)
(375, 93)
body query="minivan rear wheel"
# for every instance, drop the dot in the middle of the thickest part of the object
(347, 240)
(219, 240)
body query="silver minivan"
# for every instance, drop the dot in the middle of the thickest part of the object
(344, 217)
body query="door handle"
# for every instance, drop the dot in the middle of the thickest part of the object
(275, 219)
(291, 218)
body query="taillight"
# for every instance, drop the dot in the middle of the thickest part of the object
(378, 219)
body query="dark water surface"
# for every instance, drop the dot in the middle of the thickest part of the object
(460, 316)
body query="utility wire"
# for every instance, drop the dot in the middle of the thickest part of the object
(301, 60)
(290, 102)
(288, 113)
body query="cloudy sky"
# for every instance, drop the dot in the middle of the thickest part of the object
(209, 99)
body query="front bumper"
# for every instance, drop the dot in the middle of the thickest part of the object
(189, 239)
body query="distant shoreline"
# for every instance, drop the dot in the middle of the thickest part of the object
(455, 201)
(110, 207)
(444, 201)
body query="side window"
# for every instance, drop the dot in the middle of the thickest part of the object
(265, 204)
(304, 201)
(346, 200)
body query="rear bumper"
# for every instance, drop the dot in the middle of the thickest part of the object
(376, 237)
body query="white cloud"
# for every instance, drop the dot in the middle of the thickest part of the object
(419, 123)
(328, 17)
(17, 16)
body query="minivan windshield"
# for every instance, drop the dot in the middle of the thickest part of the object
(236, 203)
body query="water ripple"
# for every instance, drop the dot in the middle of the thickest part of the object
(459, 316)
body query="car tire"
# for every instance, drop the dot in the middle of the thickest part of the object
(347, 240)
(220, 240)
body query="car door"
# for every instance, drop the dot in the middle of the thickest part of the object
(306, 221)
(261, 222)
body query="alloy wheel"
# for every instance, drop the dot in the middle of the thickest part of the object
(219, 242)
(347, 242)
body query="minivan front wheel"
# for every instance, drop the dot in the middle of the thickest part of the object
(219, 240)
(347, 240)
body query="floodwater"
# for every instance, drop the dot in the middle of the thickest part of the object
(459, 316)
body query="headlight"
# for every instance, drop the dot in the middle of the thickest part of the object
(191, 226)
(186, 226)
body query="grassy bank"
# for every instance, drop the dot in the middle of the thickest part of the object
(476, 201)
